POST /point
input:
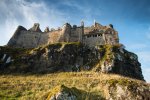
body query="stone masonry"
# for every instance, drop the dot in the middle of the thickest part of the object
(91, 36)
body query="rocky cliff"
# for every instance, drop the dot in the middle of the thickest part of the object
(71, 57)
(121, 89)
(91, 73)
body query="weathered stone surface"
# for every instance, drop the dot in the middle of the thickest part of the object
(47, 29)
(13, 41)
(124, 89)
(117, 60)
(77, 57)
(91, 36)
(35, 28)
(62, 93)
(113, 89)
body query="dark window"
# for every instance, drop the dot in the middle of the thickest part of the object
(88, 36)
(99, 34)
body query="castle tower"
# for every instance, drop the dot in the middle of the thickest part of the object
(82, 23)
(66, 30)
(46, 29)
(81, 35)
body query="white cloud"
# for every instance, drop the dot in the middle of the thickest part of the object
(25, 13)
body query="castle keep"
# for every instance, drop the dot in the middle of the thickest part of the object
(91, 36)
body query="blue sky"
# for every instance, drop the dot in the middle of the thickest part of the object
(131, 18)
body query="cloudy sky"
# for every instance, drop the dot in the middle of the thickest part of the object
(131, 18)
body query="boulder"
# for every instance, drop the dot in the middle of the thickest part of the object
(61, 93)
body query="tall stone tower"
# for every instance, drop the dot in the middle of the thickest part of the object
(66, 30)
(81, 35)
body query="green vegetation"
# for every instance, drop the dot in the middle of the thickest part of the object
(15, 53)
(124, 82)
(88, 84)
(84, 85)
(79, 94)
(107, 53)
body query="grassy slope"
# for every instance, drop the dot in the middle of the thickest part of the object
(36, 86)
(32, 87)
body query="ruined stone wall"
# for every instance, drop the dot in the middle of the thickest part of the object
(29, 39)
(101, 39)
(91, 36)
(76, 34)
(93, 40)
(87, 30)
(54, 36)
(66, 34)
(111, 37)
(44, 39)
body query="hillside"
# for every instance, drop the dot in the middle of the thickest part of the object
(75, 85)
(70, 57)
(71, 71)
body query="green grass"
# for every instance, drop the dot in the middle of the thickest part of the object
(88, 84)
(107, 52)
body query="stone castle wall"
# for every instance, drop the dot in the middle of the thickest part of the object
(28, 39)
(100, 35)
(91, 36)
(92, 40)
(76, 34)
(66, 34)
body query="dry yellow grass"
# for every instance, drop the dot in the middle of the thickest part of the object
(27, 87)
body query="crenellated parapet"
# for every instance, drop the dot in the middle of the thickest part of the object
(46, 29)
(35, 28)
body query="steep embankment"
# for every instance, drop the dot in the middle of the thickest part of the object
(70, 57)
(74, 72)
(72, 86)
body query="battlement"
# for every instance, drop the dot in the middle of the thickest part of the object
(96, 34)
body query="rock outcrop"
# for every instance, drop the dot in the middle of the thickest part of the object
(124, 89)
(74, 57)
(113, 89)
(64, 93)
(61, 93)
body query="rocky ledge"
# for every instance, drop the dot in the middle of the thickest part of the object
(70, 57)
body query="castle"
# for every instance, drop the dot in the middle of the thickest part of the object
(91, 36)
